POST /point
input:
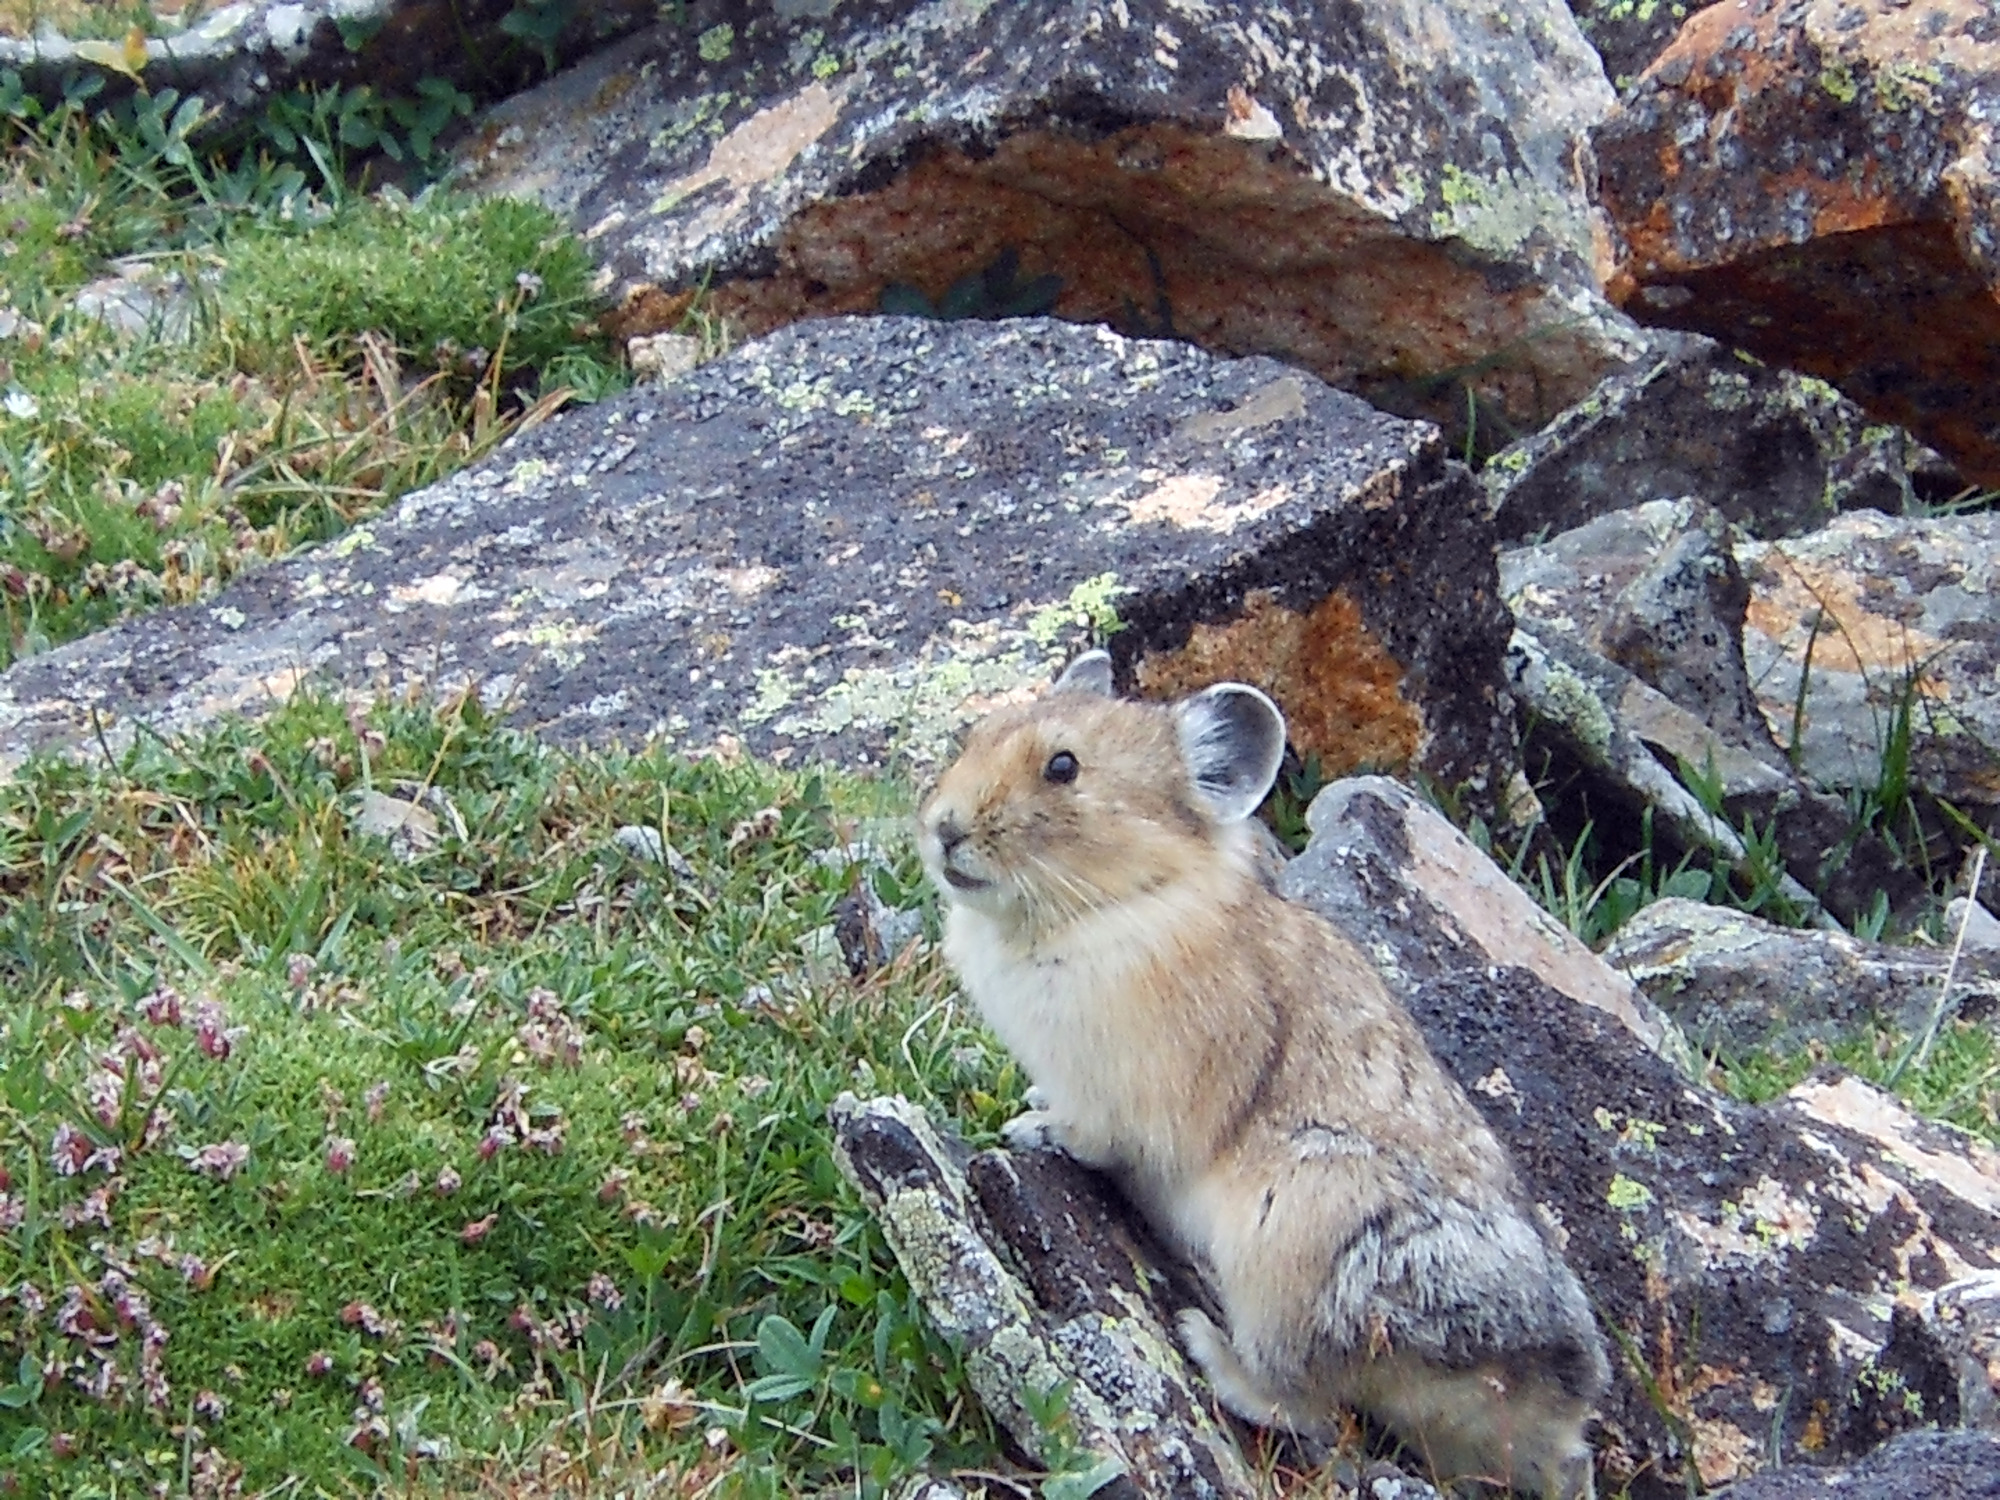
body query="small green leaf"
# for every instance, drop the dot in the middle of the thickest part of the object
(785, 1349)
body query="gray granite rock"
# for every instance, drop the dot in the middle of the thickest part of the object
(1775, 452)
(1654, 588)
(847, 538)
(1734, 982)
(1791, 1283)
(1393, 197)
(1919, 1465)
(1390, 872)
(1601, 723)
(1639, 616)
(1029, 1264)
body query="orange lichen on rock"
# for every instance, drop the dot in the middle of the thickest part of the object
(1163, 230)
(1340, 688)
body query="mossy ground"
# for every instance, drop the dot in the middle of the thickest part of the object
(272, 367)
(334, 1161)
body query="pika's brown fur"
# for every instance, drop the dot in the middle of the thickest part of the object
(1243, 1071)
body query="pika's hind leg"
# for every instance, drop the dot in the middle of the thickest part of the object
(1238, 1390)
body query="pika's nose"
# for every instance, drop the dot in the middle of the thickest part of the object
(949, 834)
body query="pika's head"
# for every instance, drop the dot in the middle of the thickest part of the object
(1082, 801)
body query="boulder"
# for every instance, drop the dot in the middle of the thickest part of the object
(1631, 651)
(1785, 1284)
(1656, 590)
(1392, 196)
(1597, 722)
(1874, 644)
(1735, 983)
(1776, 452)
(1814, 181)
(1386, 868)
(845, 539)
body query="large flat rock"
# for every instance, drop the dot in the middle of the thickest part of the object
(1391, 195)
(847, 538)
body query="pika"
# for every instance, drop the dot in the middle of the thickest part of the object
(1243, 1072)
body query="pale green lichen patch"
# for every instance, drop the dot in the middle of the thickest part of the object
(1641, 1135)
(1627, 1195)
(715, 43)
(918, 706)
(1581, 711)
(353, 542)
(1499, 214)
(1089, 606)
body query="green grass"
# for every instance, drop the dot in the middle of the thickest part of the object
(535, 1129)
(1960, 1082)
(333, 354)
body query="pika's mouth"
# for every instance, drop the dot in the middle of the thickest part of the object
(959, 881)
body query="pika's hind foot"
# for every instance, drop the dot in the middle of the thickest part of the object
(1235, 1387)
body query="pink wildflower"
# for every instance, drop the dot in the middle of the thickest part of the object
(222, 1161)
(212, 1031)
(162, 1007)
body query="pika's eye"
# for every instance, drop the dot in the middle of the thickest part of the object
(1061, 769)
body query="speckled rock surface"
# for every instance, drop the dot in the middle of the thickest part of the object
(1916, 1466)
(1794, 1282)
(1027, 1262)
(847, 538)
(239, 55)
(1386, 869)
(1776, 452)
(1392, 196)
(1644, 610)
(1815, 181)
(1734, 982)
(1655, 589)
(1906, 611)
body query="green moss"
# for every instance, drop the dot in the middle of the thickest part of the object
(440, 273)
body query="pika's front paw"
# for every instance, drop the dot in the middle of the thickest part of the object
(1033, 1130)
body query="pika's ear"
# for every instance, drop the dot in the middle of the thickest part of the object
(1089, 673)
(1232, 738)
